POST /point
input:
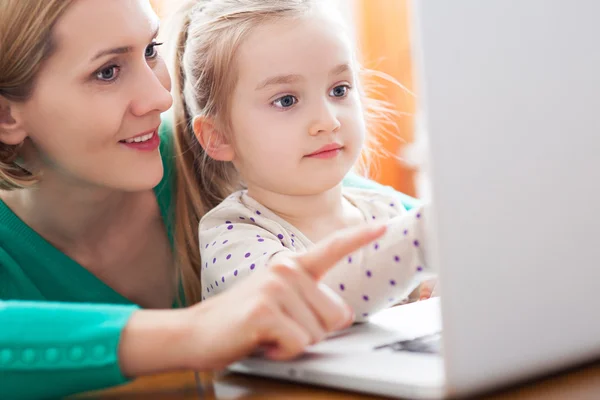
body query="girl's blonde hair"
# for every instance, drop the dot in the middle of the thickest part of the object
(25, 43)
(208, 34)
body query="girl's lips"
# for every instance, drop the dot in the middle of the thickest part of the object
(326, 154)
(328, 151)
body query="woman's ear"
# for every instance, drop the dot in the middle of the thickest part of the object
(213, 142)
(12, 131)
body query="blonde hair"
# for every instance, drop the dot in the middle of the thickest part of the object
(25, 43)
(208, 34)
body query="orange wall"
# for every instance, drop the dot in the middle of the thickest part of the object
(384, 43)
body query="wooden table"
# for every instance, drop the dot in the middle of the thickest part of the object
(583, 383)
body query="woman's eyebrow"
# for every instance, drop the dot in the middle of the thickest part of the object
(120, 50)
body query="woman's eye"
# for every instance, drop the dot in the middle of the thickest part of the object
(285, 101)
(339, 91)
(108, 74)
(151, 50)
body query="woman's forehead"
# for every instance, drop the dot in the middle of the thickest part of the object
(91, 26)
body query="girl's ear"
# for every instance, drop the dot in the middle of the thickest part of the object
(213, 142)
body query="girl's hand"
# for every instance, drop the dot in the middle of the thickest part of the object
(427, 289)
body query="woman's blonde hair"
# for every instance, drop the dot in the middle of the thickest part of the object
(208, 34)
(25, 43)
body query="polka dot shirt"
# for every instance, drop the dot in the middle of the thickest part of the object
(240, 236)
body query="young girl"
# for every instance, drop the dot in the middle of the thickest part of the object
(274, 93)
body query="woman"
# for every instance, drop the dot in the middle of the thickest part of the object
(91, 216)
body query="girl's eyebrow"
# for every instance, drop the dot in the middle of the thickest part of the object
(340, 69)
(279, 80)
(293, 78)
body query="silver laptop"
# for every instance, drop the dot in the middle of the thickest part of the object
(510, 95)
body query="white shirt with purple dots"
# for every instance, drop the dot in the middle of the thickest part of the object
(240, 236)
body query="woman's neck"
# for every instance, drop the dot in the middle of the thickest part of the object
(66, 214)
(316, 216)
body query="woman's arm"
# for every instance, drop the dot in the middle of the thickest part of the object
(49, 350)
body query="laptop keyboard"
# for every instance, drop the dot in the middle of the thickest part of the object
(429, 344)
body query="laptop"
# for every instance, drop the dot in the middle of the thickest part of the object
(509, 92)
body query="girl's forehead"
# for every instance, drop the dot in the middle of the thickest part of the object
(306, 45)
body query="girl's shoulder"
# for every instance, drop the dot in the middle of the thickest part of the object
(230, 209)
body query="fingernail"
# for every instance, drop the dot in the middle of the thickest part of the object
(348, 318)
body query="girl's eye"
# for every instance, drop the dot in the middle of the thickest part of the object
(340, 91)
(151, 50)
(286, 101)
(108, 74)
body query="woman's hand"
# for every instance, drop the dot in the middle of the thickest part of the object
(280, 309)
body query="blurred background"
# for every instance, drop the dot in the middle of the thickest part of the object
(381, 30)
